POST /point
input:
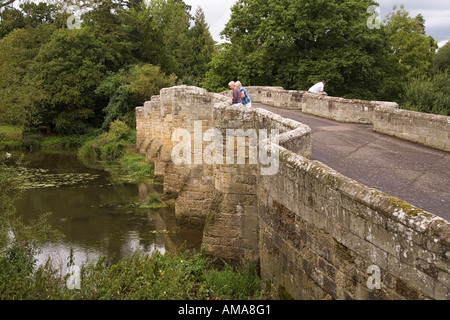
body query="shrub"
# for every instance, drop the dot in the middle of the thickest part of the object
(109, 145)
(429, 95)
(241, 282)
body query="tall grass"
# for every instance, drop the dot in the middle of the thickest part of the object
(182, 275)
(238, 283)
(10, 137)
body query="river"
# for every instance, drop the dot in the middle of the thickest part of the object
(97, 216)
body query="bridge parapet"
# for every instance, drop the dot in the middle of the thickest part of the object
(385, 117)
(314, 231)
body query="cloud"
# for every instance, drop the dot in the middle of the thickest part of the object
(217, 14)
(435, 13)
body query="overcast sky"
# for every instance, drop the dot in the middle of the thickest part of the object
(435, 12)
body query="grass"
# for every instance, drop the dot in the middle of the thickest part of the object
(115, 152)
(237, 283)
(154, 201)
(178, 275)
(13, 138)
(11, 132)
(10, 137)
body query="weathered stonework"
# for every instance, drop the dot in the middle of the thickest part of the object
(343, 110)
(386, 117)
(428, 129)
(315, 232)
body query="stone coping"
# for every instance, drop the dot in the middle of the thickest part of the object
(293, 130)
(398, 210)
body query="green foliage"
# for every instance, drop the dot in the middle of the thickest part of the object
(110, 145)
(67, 142)
(410, 53)
(183, 275)
(137, 166)
(20, 242)
(115, 150)
(130, 88)
(153, 201)
(227, 64)
(30, 15)
(157, 277)
(441, 60)
(10, 132)
(68, 69)
(240, 283)
(17, 93)
(294, 44)
(202, 49)
(430, 95)
(10, 137)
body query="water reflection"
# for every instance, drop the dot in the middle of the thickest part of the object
(99, 217)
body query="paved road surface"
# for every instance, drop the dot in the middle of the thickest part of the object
(414, 173)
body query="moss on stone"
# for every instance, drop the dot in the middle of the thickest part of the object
(405, 207)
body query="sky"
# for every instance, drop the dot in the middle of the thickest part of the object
(435, 12)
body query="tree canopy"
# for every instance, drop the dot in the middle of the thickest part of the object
(63, 75)
(70, 65)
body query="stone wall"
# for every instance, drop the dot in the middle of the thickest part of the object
(386, 117)
(179, 107)
(315, 232)
(273, 96)
(428, 129)
(320, 233)
(342, 110)
(232, 230)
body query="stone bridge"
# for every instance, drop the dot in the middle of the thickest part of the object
(358, 207)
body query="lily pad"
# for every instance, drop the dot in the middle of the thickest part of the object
(42, 178)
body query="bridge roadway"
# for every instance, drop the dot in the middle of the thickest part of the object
(411, 172)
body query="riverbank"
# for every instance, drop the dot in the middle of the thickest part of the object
(174, 271)
(13, 138)
(184, 275)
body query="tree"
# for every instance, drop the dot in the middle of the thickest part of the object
(202, 47)
(430, 95)
(11, 18)
(441, 60)
(17, 53)
(228, 63)
(410, 52)
(297, 43)
(29, 15)
(129, 88)
(108, 21)
(68, 69)
(172, 17)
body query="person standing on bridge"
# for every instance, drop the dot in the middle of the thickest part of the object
(246, 101)
(236, 99)
(318, 87)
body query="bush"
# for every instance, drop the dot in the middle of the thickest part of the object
(239, 283)
(178, 275)
(110, 145)
(137, 165)
(154, 201)
(115, 149)
(429, 95)
(131, 87)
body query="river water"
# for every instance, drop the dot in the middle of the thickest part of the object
(97, 216)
